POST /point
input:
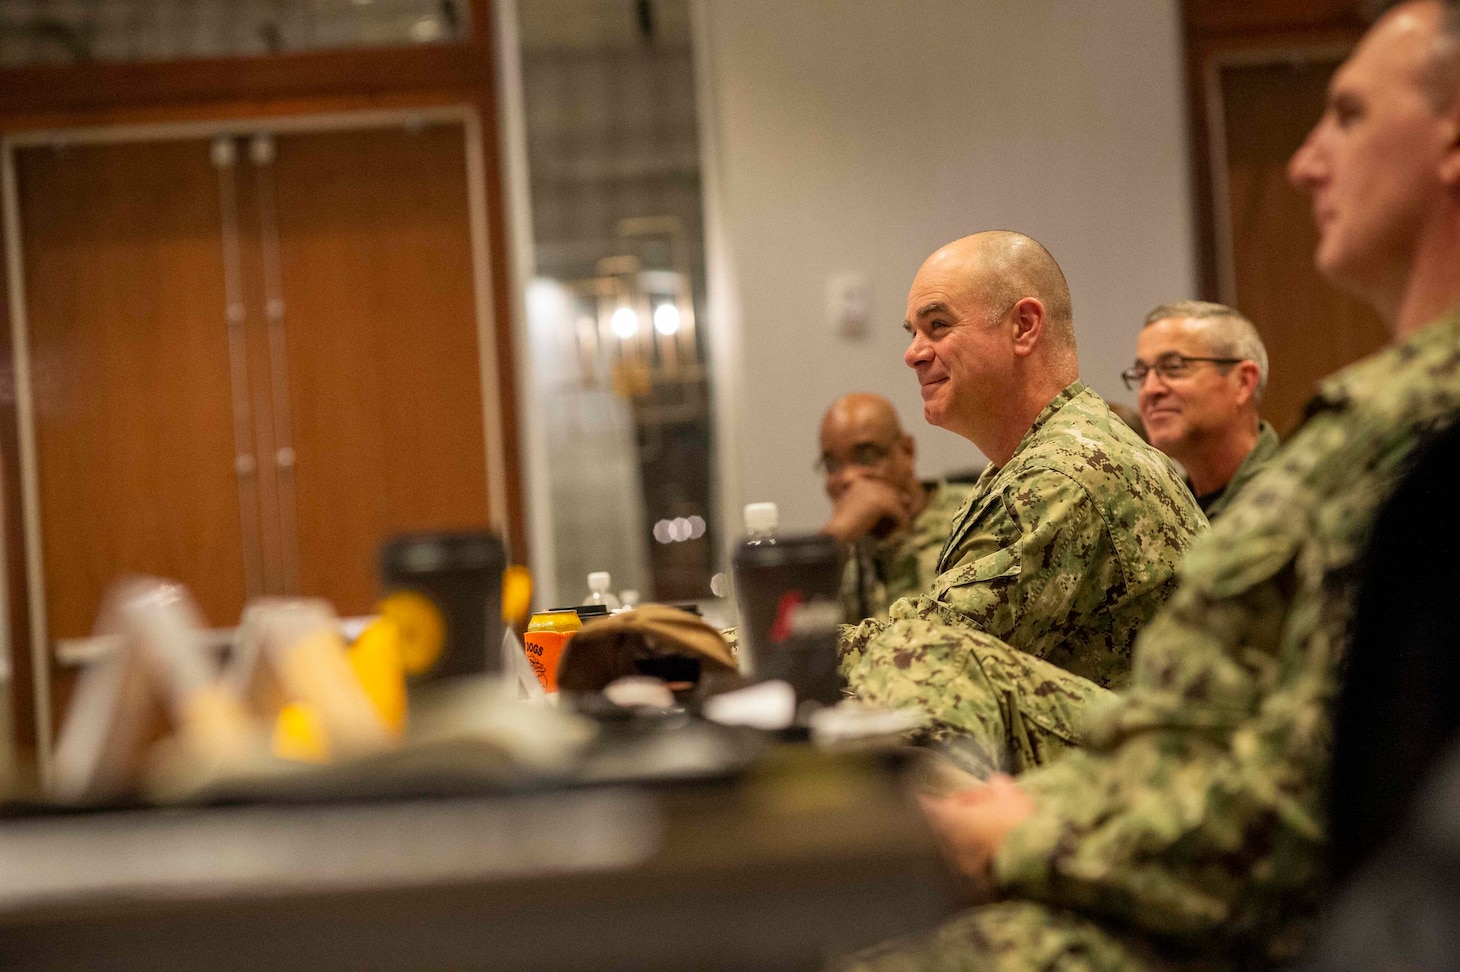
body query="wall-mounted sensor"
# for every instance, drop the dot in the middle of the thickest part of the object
(849, 305)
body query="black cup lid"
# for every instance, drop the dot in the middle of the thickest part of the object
(586, 611)
(425, 553)
(814, 548)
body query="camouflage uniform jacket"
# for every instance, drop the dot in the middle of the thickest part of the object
(904, 564)
(1196, 813)
(1260, 456)
(1067, 549)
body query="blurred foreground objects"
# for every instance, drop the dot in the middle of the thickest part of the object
(545, 640)
(291, 661)
(457, 577)
(158, 685)
(776, 868)
(516, 595)
(462, 829)
(789, 589)
(1401, 910)
(163, 718)
(1396, 713)
(1394, 792)
(651, 640)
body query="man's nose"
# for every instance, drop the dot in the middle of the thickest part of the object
(1304, 168)
(917, 352)
(1152, 383)
(836, 480)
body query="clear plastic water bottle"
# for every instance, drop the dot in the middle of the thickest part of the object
(599, 584)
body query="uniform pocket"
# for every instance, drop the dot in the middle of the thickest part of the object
(999, 564)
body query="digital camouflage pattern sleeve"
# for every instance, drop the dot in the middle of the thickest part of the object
(1191, 829)
(986, 706)
(1065, 551)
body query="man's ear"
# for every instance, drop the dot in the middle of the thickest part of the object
(910, 444)
(1028, 317)
(1450, 161)
(1248, 375)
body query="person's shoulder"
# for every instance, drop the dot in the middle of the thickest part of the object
(1087, 441)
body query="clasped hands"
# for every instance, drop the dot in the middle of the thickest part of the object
(971, 825)
(868, 504)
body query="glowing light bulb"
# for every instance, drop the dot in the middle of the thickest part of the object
(625, 322)
(666, 319)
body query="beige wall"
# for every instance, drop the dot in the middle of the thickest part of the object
(859, 135)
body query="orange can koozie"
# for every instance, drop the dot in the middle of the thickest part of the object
(547, 635)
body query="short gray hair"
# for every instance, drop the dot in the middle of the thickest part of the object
(1230, 334)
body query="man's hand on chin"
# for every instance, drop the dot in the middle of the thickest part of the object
(869, 504)
(971, 826)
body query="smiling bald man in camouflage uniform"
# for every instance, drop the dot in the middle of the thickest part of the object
(1189, 834)
(1066, 547)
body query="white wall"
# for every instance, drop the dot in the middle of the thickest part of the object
(860, 135)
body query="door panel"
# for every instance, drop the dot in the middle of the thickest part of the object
(384, 374)
(366, 419)
(1310, 328)
(129, 354)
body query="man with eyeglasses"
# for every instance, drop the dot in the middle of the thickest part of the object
(1190, 832)
(1200, 372)
(894, 524)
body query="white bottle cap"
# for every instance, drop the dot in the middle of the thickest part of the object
(761, 517)
(599, 580)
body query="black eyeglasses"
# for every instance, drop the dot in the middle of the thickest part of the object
(864, 454)
(1172, 367)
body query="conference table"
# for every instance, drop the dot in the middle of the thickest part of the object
(777, 856)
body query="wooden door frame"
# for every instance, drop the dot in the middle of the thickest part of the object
(1213, 31)
(1222, 248)
(277, 92)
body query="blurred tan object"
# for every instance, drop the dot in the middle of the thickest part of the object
(639, 692)
(377, 661)
(639, 641)
(290, 652)
(160, 680)
(471, 723)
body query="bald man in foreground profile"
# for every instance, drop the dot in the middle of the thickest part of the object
(1068, 543)
(894, 524)
(1189, 834)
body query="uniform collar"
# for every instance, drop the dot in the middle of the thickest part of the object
(1066, 395)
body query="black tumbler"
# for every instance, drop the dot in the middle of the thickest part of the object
(461, 575)
(790, 605)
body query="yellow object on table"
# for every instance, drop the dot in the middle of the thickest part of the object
(421, 631)
(299, 735)
(377, 660)
(516, 594)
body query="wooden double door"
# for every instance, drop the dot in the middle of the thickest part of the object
(244, 357)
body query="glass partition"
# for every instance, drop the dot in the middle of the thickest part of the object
(616, 310)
